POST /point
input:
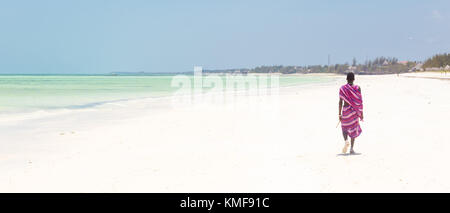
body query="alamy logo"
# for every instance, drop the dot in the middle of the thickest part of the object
(228, 89)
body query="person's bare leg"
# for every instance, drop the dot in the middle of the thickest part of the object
(352, 144)
(345, 135)
(344, 150)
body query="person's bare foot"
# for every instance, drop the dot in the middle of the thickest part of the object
(344, 150)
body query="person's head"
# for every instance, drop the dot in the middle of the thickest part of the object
(350, 77)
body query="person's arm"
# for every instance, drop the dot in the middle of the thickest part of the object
(340, 108)
(362, 113)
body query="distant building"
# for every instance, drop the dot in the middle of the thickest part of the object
(418, 67)
(403, 62)
(385, 63)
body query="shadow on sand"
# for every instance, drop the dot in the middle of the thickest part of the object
(348, 154)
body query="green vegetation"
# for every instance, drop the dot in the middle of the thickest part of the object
(380, 65)
(438, 61)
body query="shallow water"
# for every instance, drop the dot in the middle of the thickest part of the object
(37, 92)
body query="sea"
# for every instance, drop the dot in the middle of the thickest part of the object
(25, 93)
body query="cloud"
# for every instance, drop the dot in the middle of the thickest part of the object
(437, 15)
(432, 40)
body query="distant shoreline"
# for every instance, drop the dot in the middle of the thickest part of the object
(192, 73)
(428, 75)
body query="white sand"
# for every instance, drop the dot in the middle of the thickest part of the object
(147, 146)
(429, 75)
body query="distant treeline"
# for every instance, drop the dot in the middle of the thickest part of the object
(438, 61)
(380, 65)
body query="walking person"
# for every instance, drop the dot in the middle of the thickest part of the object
(350, 112)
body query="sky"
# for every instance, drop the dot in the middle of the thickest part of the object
(103, 36)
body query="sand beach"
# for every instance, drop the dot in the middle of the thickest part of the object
(147, 145)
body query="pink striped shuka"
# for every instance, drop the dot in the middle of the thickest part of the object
(351, 114)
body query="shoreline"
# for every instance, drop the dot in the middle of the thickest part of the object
(93, 105)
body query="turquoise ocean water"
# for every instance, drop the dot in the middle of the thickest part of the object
(37, 92)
